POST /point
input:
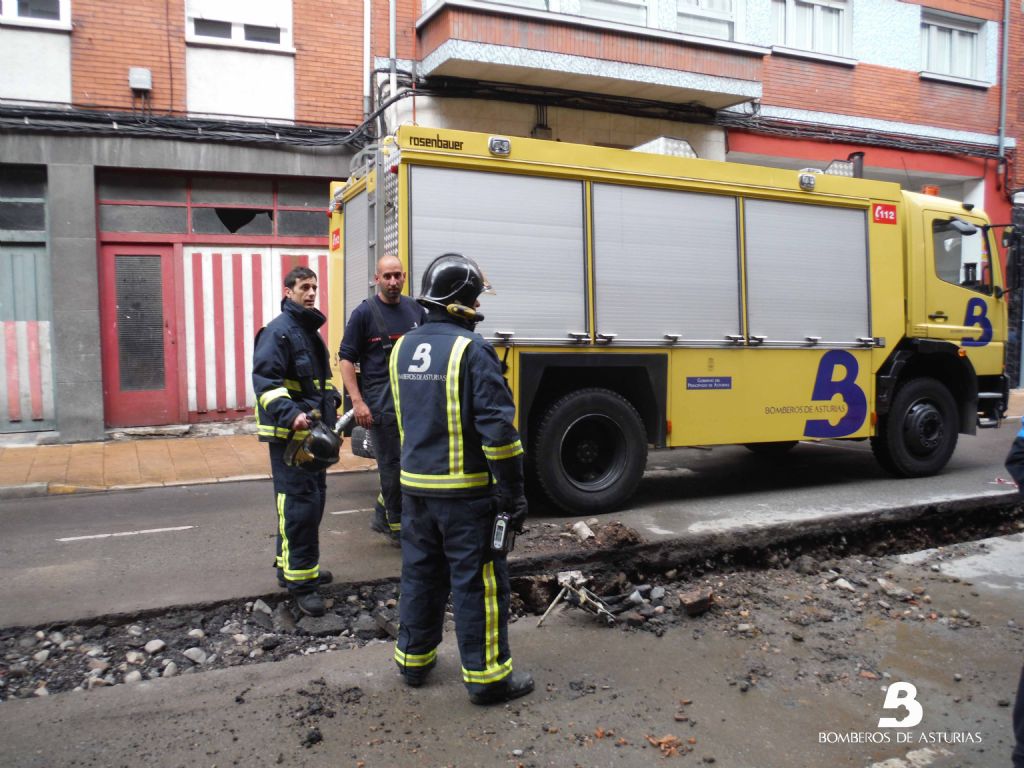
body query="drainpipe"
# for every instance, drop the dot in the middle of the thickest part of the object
(367, 66)
(393, 82)
(1003, 84)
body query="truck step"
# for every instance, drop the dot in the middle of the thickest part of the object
(990, 395)
(988, 423)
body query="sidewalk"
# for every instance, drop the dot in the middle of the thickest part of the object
(38, 470)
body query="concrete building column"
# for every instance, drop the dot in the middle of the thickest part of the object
(78, 370)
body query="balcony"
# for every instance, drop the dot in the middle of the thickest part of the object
(620, 48)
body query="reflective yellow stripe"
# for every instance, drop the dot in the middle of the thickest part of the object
(474, 480)
(415, 659)
(283, 559)
(456, 459)
(491, 675)
(493, 671)
(490, 615)
(393, 377)
(303, 575)
(296, 386)
(271, 395)
(499, 452)
(267, 430)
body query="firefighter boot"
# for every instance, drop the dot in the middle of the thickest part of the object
(414, 677)
(310, 603)
(512, 687)
(379, 523)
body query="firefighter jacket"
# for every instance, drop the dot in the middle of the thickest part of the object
(455, 414)
(289, 367)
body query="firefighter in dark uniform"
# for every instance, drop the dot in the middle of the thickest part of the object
(462, 465)
(291, 377)
(1015, 466)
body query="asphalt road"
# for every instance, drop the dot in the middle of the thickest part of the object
(73, 557)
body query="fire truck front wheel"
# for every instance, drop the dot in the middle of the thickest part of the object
(591, 450)
(919, 434)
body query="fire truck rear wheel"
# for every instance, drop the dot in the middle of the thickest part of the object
(591, 450)
(919, 434)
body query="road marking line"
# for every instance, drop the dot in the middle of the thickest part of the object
(350, 511)
(127, 533)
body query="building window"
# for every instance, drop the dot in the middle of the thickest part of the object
(708, 18)
(131, 201)
(621, 11)
(951, 45)
(37, 13)
(22, 199)
(822, 26)
(259, 23)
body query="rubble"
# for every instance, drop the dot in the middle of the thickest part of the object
(811, 598)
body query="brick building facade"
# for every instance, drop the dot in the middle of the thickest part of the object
(175, 154)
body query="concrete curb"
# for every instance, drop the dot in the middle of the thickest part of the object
(26, 491)
(36, 490)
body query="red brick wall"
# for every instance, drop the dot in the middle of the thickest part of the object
(871, 91)
(476, 26)
(1015, 95)
(990, 10)
(108, 38)
(329, 61)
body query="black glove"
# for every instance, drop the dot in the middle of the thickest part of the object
(516, 509)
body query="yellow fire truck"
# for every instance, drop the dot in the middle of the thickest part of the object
(650, 300)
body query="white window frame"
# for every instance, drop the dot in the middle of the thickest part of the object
(934, 21)
(239, 15)
(637, 7)
(846, 24)
(9, 16)
(701, 11)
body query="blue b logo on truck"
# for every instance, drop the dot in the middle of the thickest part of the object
(977, 314)
(826, 387)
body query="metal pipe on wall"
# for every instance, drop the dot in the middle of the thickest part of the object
(392, 46)
(1003, 77)
(367, 104)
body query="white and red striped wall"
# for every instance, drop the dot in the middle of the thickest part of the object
(26, 376)
(228, 294)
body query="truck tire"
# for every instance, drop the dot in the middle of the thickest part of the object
(919, 434)
(591, 450)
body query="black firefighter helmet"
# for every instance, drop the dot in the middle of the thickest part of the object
(453, 282)
(317, 450)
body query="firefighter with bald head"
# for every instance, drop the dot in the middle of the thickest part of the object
(372, 329)
(461, 468)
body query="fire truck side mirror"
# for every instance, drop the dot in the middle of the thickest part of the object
(963, 227)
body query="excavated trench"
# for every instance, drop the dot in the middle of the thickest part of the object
(646, 581)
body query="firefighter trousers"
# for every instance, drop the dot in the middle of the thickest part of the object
(299, 497)
(388, 448)
(446, 549)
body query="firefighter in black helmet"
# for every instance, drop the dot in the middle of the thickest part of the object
(462, 466)
(291, 377)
